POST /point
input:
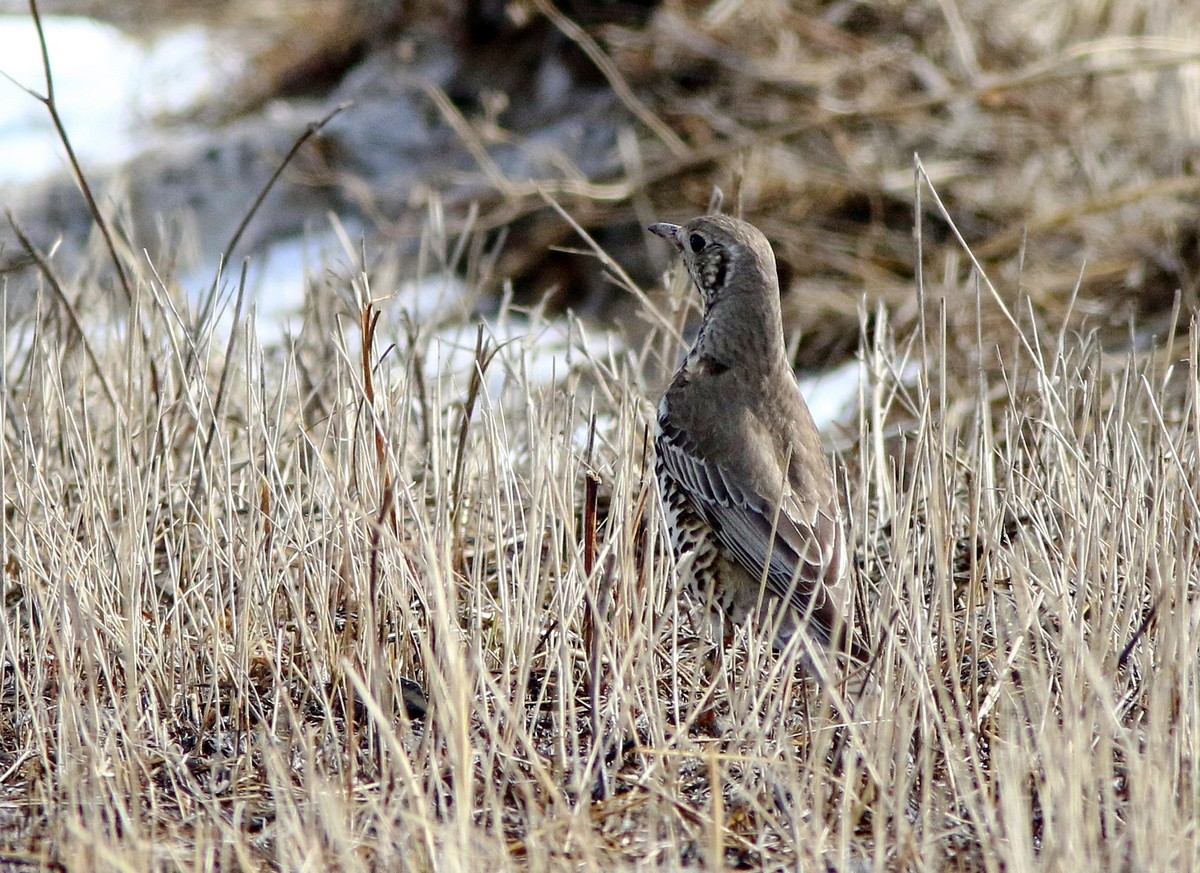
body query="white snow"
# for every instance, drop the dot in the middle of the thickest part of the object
(832, 394)
(529, 350)
(108, 87)
(277, 280)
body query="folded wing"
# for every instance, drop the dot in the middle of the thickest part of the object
(798, 545)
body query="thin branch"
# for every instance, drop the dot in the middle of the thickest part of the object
(218, 402)
(51, 105)
(72, 315)
(312, 130)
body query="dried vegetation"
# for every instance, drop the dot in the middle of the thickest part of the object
(326, 607)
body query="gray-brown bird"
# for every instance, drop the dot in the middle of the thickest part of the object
(748, 493)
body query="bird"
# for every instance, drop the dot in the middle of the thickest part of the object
(747, 491)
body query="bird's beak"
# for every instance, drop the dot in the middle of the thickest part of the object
(669, 232)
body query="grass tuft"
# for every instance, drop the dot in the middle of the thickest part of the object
(419, 619)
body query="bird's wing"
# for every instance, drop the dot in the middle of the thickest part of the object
(799, 548)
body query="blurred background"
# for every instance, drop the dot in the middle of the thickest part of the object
(1062, 140)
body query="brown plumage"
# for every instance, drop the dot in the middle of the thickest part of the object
(747, 490)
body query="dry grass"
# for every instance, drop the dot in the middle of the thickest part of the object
(204, 642)
(1057, 134)
(224, 572)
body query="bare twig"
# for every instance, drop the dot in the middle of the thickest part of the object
(48, 101)
(51, 104)
(309, 132)
(61, 296)
(219, 402)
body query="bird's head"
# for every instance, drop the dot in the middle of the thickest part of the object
(723, 255)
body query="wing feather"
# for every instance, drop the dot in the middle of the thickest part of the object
(800, 549)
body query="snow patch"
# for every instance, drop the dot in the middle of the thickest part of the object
(107, 85)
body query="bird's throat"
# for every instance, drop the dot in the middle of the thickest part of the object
(738, 331)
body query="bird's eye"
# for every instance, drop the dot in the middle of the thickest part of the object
(696, 242)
